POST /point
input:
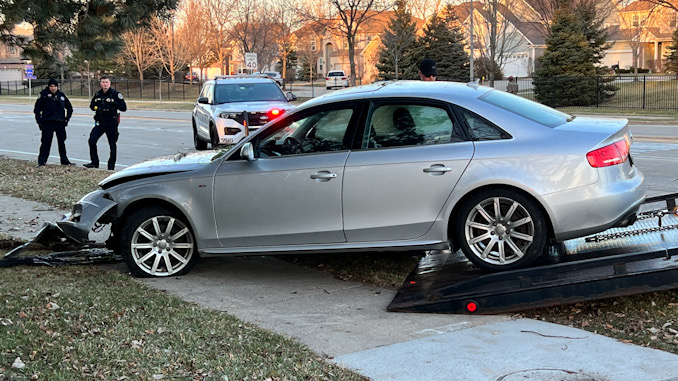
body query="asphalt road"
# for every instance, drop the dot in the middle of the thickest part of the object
(143, 134)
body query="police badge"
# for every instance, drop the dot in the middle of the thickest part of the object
(120, 95)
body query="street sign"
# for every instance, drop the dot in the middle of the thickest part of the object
(29, 72)
(251, 61)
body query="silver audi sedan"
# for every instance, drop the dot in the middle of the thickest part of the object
(402, 165)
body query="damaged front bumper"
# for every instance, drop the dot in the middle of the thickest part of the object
(79, 222)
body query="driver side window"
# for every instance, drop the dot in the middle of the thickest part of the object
(323, 131)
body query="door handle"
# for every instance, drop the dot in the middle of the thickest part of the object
(438, 169)
(323, 175)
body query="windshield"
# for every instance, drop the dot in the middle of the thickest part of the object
(247, 92)
(526, 108)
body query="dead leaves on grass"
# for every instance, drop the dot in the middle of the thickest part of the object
(646, 319)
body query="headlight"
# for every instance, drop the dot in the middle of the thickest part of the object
(229, 115)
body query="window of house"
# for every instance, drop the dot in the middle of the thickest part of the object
(672, 21)
(12, 50)
(636, 21)
(313, 47)
(320, 65)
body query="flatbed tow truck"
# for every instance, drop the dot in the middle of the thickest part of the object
(637, 259)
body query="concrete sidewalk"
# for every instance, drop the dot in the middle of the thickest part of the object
(347, 322)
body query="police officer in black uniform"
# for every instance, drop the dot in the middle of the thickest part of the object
(52, 111)
(106, 104)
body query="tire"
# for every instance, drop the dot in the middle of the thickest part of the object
(214, 137)
(157, 242)
(328, 88)
(511, 239)
(199, 144)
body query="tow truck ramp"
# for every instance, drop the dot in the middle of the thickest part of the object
(638, 259)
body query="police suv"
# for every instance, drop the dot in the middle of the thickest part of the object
(229, 107)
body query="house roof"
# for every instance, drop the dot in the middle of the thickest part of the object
(638, 6)
(530, 30)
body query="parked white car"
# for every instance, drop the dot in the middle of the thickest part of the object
(274, 75)
(336, 78)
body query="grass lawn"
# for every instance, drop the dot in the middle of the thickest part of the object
(74, 323)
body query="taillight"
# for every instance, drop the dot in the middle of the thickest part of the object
(274, 113)
(615, 153)
(343, 78)
(327, 79)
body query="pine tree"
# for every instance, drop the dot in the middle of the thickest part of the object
(567, 73)
(93, 27)
(396, 60)
(672, 56)
(443, 42)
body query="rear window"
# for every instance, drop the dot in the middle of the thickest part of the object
(336, 74)
(526, 108)
(248, 92)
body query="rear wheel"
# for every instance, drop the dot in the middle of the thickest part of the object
(199, 144)
(157, 242)
(501, 230)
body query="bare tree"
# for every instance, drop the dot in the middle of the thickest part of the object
(139, 49)
(307, 45)
(670, 4)
(255, 31)
(219, 15)
(632, 29)
(545, 10)
(167, 46)
(346, 18)
(287, 20)
(423, 9)
(497, 34)
(193, 34)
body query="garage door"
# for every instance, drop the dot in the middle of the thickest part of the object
(10, 75)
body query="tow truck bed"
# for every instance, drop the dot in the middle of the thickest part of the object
(637, 259)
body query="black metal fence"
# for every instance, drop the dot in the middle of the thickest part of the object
(648, 92)
(131, 89)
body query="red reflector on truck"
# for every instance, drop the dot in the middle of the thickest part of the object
(615, 153)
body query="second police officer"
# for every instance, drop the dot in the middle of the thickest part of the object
(107, 104)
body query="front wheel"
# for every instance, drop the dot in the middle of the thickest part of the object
(157, 242)
(214, 137)
(501, 230)
(199, 144)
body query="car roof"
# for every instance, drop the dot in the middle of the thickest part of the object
(446, 91)
(225, 79)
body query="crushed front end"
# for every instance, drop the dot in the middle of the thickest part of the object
(85, 215)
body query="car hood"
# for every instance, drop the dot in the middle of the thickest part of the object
(263, 106)
(160, 166)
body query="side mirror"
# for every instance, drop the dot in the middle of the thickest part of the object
(203, 100)
(247, 152)
(290, 96)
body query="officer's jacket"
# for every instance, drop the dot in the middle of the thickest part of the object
(107, 105)
(52, 107)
